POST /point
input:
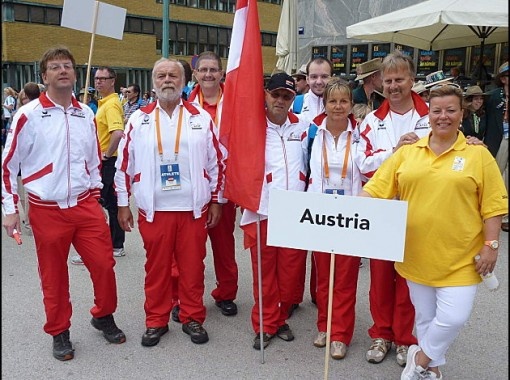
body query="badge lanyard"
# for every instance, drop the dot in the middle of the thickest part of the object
(201, 101)
(177, 137)
(346, 157)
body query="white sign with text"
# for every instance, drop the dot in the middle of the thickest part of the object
(342, 224)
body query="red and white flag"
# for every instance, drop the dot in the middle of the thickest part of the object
(243, 119)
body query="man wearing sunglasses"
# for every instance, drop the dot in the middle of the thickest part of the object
(281, 268)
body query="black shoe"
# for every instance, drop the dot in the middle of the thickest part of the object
(110, 330)
(267, 338)
(292, 307)
(62, 347)
(175, 313)
(152, 335)
(284, 332)
(196, 331)
(227, 307)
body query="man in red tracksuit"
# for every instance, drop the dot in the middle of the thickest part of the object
(54, 142)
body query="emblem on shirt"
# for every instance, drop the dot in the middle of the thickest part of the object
(422, 125)
(78, 113)
(381, 125)
(458, 164)
(45, 114)
(145, 120)
(294, 137)
(195, 126)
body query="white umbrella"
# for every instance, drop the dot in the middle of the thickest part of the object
(286, 39)
(439, 24)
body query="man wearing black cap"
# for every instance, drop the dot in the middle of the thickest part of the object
(281, 268)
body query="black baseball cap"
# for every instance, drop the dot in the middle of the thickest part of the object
(281, 81)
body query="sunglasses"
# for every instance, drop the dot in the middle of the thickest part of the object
(437, 86)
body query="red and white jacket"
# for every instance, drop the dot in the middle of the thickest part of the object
(137, 167)
(58, 153)
(285, 167)
(379, 134)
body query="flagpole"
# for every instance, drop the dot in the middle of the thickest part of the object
(330, 307)
(259, 276)
(94, 24)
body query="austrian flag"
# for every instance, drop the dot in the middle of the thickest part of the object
(243, 120)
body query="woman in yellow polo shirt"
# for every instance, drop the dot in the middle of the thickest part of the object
(456, 199)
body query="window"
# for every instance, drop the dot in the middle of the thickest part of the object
(181, 32)
(53, 16)
(147, 26)
(134, 25)
(37, 15)
(20, 13)
(202, 34)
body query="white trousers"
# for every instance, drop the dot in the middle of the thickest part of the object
(440, 315)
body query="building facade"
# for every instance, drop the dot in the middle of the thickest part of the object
(322, 32)
(30, 27)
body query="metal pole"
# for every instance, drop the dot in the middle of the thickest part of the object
(166, 28)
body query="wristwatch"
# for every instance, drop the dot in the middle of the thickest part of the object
(494, 244)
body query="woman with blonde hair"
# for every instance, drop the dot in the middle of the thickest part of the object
(333, 171)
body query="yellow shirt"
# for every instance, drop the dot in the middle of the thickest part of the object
(449, 196)
(109, 118)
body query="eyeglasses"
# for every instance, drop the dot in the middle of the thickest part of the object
(102, 79)
(437, 86)
(205, 70)
(284, 95)
(57, 66)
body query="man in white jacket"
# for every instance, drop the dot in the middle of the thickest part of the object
(54, 142)
(172, 163)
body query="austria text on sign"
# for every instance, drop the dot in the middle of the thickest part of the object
(355, 226)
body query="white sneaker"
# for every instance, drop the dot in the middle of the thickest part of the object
(338, 350)
(402, 355)
(119, 252)
(433, 376)
(76, 260)
(320, 341)
(413, 371)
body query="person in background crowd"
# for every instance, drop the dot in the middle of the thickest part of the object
(281, 268)
(369, 92)
(420, 89)
(64, 206)
(473, 120)
(302, 86)
(146, 98)
(91, 98)
(496, 135)
(439, 261)
(400, 120)
(9, 107)
(209, 94)
(333, 171)
(133, 101)
(172, 163)
(188, 73)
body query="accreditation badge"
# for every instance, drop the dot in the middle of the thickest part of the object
(334, 191)
(170, 177)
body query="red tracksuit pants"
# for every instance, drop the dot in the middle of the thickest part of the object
(344, 294)
(174, 236)
(84, 226)
(280, 268)
(390, 304)
(224, 254)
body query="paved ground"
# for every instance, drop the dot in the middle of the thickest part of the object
(480, 352)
